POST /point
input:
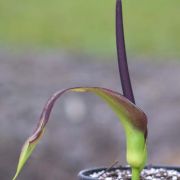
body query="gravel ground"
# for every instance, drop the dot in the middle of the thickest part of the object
(146, 174)
(90, 135)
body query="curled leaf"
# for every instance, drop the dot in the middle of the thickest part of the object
(132, 118)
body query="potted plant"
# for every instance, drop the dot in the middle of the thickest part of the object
(132, 118)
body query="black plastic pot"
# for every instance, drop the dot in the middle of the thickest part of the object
(84, 175)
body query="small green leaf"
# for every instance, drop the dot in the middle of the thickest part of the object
(132, 118)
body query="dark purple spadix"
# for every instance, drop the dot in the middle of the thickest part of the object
(121, 53)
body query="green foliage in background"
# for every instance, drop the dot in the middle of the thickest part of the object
(152, 27)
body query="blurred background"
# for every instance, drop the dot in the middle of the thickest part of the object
(50, 45)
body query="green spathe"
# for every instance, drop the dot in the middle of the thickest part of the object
(132, 118)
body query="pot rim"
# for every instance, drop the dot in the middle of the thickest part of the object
(84, 174)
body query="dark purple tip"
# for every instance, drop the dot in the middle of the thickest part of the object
(121, 53)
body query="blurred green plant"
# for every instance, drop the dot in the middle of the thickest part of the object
(151, 28)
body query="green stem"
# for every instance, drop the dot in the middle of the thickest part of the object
(135, 174)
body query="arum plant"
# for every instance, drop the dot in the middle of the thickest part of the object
(132, 118)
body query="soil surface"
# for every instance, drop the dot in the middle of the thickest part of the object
(82, 131)
(146, 174)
